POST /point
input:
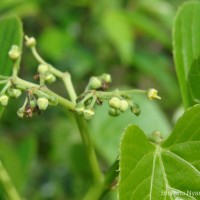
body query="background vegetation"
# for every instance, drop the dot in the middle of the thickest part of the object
(129, 39)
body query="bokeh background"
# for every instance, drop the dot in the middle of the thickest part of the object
(131, 40)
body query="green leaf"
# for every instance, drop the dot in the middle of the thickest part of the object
(169, 170)
(186, 44)
(194, 79)
(10, 34)
(107, 130)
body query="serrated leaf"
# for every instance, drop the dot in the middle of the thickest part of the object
(169, 170)
(186, 44)
(10, 34)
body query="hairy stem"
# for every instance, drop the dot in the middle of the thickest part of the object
(7, 184)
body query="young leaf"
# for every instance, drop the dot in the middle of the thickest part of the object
(186, 44)
(169, 170)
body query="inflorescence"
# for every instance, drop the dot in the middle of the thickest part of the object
(38, 96)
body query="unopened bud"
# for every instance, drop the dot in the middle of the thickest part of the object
(95, 82)
(33, 103)
(152, 94)
(15, 93)
(113, 112)
(43, 68)
(42, 103)
(88, 113)
(115, 102)
(4, 100)
(106, 78)
(156, 137)
(79, 108)
(50, 78)
(30, 41)
(123, 105)
(20, 112)
(135, 109)
(14, 52)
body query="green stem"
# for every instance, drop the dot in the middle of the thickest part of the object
(8, 84)
(27, 85)
(84, 131)
(42, 61)
(107, 95)
(7, 184)
(99, 189)
(66, 78)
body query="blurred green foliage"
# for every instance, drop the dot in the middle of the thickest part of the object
(129, 39)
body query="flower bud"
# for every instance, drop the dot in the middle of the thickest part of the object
(106, 78)
(42, 103)
(152, 94)
(15, 93)
(135, 109)
(156, 136)
(88, 113)
(95, 83)
(20, 112)
(115, 102)
(113, 112)
(43, 68)
(123, 105)
(30, 41)
(79, 108)
(4, 100)
(14, 52)
(50, 78)
(32, 103)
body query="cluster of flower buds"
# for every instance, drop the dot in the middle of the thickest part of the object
(45, 74)
(100, 82)
(118, 106)
(32, 105)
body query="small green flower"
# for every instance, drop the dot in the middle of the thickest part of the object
(95, 83)
(114, 112)
(15, 93)
(79, 108)
(42, 103)
(123, 105)
(42, 68)
(30, 41)
(50, 78)
(135, 109)
(152, 94)
(14, 52)
(88, 113)
(4, 100)
(115, 102)
(20, 112)
(106, 78)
